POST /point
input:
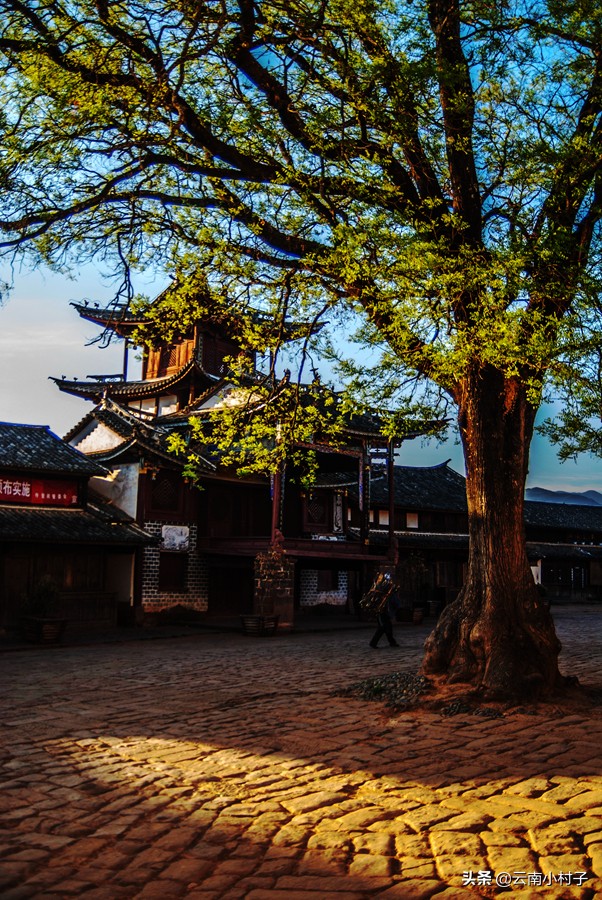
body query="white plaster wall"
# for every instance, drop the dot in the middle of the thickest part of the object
(167, 404)
(228, 395)
(121, 487)
(95, 438)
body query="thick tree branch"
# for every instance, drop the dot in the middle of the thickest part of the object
(457, 104)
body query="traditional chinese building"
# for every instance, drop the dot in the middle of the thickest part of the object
(564, 542)
(52, 526)
(361, 510)
(211, 533)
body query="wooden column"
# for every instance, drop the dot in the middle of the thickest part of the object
(391, 490)
(125, 359)
(364, 495)
(276, 501)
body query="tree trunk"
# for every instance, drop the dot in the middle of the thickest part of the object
(497, 635)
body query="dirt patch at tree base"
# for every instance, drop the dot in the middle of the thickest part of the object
(405, 691)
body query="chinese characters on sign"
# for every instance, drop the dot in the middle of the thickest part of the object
(533, 879)
(37, 491)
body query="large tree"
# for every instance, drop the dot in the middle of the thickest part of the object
(430, 168)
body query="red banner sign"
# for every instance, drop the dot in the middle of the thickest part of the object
(37, 491)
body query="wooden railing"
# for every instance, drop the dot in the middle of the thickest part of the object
(302, 547)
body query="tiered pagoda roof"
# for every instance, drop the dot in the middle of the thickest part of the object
(117, 318)
(190, 371)
(117, 388)
(122, 321)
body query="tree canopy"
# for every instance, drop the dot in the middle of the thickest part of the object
(427, 169)
(431, 166)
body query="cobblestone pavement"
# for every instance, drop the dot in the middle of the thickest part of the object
(221, 766)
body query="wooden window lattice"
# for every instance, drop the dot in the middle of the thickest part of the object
(165, 494)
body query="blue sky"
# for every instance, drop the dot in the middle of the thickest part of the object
(41, 335)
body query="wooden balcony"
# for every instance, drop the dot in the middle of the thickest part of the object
(322, 547)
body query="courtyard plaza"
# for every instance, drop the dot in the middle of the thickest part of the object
(218, 765)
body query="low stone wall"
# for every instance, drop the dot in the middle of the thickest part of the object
(196, 594)
(311, 596)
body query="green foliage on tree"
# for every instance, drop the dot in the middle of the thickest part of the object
(577, 385)
(431, 168)
(422, 178)
(257, 426)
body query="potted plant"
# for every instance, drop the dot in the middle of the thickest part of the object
(42, 620)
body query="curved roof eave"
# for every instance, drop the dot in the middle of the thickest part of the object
(118, 318)
(135, 390)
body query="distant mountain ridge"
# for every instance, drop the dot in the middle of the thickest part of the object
(575, 498)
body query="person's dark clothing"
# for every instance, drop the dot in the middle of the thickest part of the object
(385, 622)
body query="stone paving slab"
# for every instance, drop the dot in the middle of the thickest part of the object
(222, 766)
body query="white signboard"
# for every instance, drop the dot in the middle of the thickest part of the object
(175, 537)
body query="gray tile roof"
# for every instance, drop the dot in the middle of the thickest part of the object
(417, 540)
(576, 552)
(563, 515)
(420, 487)
(424, 540)
(439, 487)
(68, 526)
(35, 448)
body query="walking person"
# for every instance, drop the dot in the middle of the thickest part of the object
(385, 619)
